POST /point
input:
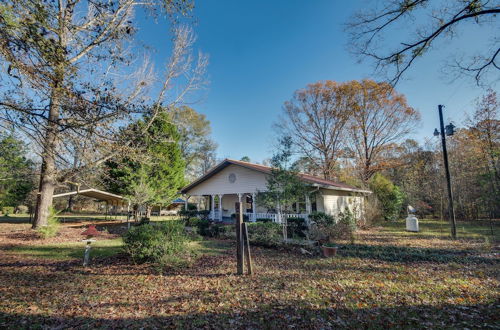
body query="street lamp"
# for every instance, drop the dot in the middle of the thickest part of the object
(447, 131)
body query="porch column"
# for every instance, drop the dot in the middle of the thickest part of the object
(186, 202)
(254, 215)
(220, 208)
(308, 207)
(212, 197)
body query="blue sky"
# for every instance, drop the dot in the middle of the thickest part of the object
(262, 51)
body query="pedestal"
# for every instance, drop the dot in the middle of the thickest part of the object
(412, 223)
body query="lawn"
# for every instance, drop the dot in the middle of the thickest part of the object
(387, 278)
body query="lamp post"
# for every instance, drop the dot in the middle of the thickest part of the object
(447, 131)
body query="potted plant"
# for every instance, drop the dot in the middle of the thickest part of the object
(329, 250)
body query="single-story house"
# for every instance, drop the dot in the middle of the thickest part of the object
(232, 182)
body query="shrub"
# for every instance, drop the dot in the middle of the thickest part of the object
(144, 221)
(322, 219)
(268, 234)
(164, 244)
(346, 226)
(22, 209)
(52, 227)
(6, 210)
(245, 217)
(264, 220)
(296, 227)
(203, 214)
(202, 226)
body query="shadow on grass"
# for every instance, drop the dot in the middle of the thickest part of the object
(411, 254)
(280, 316)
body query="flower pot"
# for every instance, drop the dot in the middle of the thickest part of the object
(329, 251)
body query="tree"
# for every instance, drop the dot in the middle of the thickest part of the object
(245, 159)
(315, 118)
(156, 173)
(194, 141)
(16, 172)
(389, 195)
(284, 187)
(374, 33)
(379, 117)
(71, 76)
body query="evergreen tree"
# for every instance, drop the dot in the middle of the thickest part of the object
(16, 172)
(155, 173)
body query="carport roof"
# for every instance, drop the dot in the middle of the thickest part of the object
(97, 194)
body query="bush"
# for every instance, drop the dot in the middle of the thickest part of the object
(322, 219)
(6, 210)
(22, 209)
(329, 231)
(164, 244)
(203, 214)
(297, 227)
(245, 217)
(264, 220)
(52, 227)
(268, 234)
(202, 226)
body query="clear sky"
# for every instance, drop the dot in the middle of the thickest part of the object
(261, 51)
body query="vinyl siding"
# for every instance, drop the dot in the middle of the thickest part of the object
(247, 181)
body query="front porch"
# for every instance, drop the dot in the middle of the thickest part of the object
(223, 208)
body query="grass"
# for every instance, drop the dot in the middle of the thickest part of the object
(441, 229)
(71, 250)
(388, 278)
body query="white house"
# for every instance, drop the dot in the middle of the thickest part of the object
(232, 182)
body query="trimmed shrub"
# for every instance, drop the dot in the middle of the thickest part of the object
(297, 227)
(268, 234)
(164, 244)
(6, 210)
(52, 227)
(264, 220)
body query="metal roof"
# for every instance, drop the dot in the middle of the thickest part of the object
(315, 181)
(97, 194)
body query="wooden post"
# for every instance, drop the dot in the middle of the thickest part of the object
(239, 240)
(248, 257)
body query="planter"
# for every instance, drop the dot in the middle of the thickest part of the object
(329, 251)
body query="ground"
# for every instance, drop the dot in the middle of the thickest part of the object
(387, 278)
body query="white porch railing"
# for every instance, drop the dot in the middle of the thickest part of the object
(273, 216)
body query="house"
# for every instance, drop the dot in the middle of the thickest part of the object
(232, 182)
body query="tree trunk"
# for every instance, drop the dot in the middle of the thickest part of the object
(48, 170)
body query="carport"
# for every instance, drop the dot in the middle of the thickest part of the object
(109, 198)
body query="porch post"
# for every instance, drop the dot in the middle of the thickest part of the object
(186, 202)
(254, 215)
(212, 197)
(220, 207)
(308, 207)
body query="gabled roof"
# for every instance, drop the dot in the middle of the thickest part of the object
(315, 181)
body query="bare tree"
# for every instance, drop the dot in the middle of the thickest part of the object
(315, 118)
(380, 117)
(374, 33)
(72, 73)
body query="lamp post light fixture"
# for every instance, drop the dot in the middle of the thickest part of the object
(449, 130)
